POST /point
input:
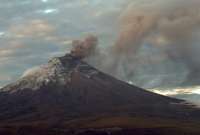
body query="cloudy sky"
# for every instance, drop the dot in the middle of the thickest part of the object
(157, 42)
(31, 32)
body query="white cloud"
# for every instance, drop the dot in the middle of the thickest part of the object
(48, 11)
(177, 91)
(2, 33)
(44, 1)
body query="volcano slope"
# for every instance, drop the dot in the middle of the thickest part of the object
(67, 93)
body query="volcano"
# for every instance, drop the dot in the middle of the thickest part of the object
(67, 91)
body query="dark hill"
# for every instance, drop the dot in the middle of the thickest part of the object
(67, 88)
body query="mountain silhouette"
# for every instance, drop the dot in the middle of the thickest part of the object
(67, 88)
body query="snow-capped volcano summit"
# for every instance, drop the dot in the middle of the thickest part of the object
(67, 87)
(57, 71)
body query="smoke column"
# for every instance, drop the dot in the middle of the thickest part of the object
(158, 44)
(84, 48)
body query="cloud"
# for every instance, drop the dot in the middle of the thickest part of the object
(32, 28)
(5, 78)
(177, 91)
(25, 45)
(190, 94)
(10, 49)
(48, 11)
(6, 52)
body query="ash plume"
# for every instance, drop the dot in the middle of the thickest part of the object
(158, 44)
(84, 48)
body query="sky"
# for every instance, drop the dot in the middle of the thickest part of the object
(34, 31)
(31, 32)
